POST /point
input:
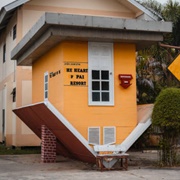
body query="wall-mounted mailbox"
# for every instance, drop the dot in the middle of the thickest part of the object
(125, 80)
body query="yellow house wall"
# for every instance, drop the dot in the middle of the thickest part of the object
(50, 62)
(17, 133)
(72, 101)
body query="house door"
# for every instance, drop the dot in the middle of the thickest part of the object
(100, 73)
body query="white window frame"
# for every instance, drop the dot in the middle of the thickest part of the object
(111, 76)
(104, 135)
(93, 143)
(46, 74)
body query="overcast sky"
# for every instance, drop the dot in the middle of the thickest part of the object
(4, 2)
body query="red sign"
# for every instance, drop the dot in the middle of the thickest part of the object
(125, 80)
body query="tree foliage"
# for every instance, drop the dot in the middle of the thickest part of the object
(153, 76)
(166, 116)
(153, 62)
(166, 113)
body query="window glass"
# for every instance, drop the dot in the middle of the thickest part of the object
(4, 53)
(95, 74)
(105, 85)
(105, 96)
(95, 96)
(14, 31)
(105, 75)
(100, 83)
(95, 85)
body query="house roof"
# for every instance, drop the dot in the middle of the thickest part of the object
(7, 11)
(69, 142)
(52, 28)
(154, 15)
(144, 112)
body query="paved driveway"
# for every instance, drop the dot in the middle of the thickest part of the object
(29, 167)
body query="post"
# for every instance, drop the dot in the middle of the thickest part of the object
(48, 146)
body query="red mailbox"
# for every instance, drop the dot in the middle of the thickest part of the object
(125, 80)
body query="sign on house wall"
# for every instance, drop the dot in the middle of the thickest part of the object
(75, 73)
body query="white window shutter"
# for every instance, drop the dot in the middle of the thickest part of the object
(109, 135)
(94, 135)
(46, 88)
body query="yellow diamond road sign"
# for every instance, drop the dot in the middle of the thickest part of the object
(174, 67)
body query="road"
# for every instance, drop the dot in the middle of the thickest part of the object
(29, 167)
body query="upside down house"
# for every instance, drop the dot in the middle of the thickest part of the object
(83, 58)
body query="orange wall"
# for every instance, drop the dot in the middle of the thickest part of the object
(72, 101)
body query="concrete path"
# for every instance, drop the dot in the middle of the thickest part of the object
(29, 167)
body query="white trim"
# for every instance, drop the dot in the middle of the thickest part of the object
(154, 15)
(104, 135)
(93, 143)
(46, 74)
(69, 126)
(134, 135)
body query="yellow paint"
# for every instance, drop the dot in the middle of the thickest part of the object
(72, 101)
(174, 67)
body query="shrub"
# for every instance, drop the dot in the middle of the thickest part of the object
(166, 116)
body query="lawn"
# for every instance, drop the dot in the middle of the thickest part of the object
(19, 150)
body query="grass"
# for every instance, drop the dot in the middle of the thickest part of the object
(18, 150)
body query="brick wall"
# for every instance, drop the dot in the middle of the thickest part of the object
(48, 146)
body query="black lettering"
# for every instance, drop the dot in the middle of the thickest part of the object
(81, 70)
(77, 83)
(68, 69)
(53, 74)
(79, 76)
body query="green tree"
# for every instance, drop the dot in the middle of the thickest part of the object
(166, 116)
(171, 12)
(153, 62)
(152, 5)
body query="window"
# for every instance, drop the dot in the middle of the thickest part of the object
(14, 31)
(100, 86)
(3, 124)
(14, 94)
(109, 135)
(94, 135)
(101, 81)
(45, 85)
(4, 53)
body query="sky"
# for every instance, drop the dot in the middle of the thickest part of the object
(4, 2)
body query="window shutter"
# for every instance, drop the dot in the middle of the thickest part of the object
(94, 135)
(46, 86)
(109, 135)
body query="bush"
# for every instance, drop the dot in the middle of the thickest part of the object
(166, 116)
